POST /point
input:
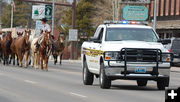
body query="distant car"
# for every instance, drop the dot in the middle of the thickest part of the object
(174, 47)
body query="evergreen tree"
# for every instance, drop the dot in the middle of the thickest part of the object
(22, 15)
(84, 13)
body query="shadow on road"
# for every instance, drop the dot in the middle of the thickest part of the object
(134, 87)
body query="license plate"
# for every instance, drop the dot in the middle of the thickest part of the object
(140, 69)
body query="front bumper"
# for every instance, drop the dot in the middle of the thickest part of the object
(139, 63)
(116, 70)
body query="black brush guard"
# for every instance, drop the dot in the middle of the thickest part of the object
(142, 55)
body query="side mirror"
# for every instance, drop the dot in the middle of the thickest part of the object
(96, 40)
(164, 41)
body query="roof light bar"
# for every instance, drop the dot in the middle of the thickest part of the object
(133, 22)
(126, 22)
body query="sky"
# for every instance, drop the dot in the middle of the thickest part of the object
(70, 1)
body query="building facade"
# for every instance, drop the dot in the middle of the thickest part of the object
(168, 17)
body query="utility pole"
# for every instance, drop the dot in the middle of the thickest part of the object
(155, 12)
(72, 54)
(113, 8)
(53, 4)
(116, 8)
(12, 13)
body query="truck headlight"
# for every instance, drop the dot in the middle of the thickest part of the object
(166, 57)
(111, 55)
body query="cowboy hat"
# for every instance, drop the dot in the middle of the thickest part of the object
(44, 20)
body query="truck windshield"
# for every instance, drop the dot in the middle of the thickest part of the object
(138, 34)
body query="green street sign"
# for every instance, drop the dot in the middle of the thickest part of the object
(48, 12)
(42, 11)
(139, 13)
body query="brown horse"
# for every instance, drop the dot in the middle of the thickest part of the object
(1, 54)
(6, 43)
(19, 34)
(22, 46)
(45, 50)
(58, 49)
(13, 48)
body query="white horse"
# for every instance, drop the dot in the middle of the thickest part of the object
(35, 54)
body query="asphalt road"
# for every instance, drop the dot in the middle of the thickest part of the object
(64, 84)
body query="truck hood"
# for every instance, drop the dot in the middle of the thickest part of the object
(118, 45)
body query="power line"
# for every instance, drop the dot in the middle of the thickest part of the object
(47, 2)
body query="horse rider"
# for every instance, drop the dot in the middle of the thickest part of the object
(45, 28)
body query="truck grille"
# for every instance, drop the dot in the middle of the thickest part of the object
(140, 55)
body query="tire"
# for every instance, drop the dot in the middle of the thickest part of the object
(141, 82)
(88, 77)
(104, 82)
(162, 83)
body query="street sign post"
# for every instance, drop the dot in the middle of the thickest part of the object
(73, 34)
(135, 13)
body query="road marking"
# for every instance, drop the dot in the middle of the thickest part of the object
(65, 71)
(29, 81)
(79, 95)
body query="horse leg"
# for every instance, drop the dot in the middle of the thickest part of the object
(0, 56)
(10, 59)
(55, 59)
(6, 59)
(46, 63)
(35, 60)
(42, 64)
(29, 57)
(41, 61)
(17, 60)
(26, 59)
(30, 61)
(13, 58)
(20, 60)
(38, 60)
(60, 58)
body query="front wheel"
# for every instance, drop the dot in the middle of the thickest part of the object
(104, 82)
(141, 82)
(88, 77)
(162, 83)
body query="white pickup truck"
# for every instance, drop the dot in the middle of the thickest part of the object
(125, 50)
